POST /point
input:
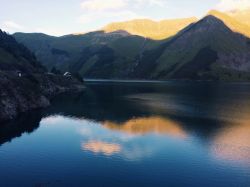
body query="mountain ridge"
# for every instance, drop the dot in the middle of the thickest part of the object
(208, 33)
(120, 54)
(156, 30)
(232, 23)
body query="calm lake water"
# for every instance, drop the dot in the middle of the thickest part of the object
(133, 134)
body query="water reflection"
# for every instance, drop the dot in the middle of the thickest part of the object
(233, 143)
(101, 147)
(26, 123)
(146, 125)
(100, 140)
(212, 114)
(110, 138)
(164, 128)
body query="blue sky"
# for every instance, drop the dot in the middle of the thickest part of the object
(59, 17)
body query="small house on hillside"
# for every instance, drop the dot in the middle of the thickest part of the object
(67, 74)
(18, 73)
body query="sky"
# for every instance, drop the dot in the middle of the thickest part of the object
(60, 17)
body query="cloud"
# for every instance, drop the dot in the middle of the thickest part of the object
(101, 5)
(11, 26)
(228, 5)
(139, 3)
(107, 15)
(98, 20)
(98, 13)
(157, 2)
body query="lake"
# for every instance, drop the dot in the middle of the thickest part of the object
(133, 134)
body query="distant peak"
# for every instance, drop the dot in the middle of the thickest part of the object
(212, 19)
(209, 23)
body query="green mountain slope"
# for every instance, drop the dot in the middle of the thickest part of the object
(81, 52)
(126, 40)
(216, 47)
(14, 56)
(205, 50)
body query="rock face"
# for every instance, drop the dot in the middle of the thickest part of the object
(21, 94)
(16, 98)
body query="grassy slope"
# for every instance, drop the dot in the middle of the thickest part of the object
(125, 47)
(14, 56)
(209, 32)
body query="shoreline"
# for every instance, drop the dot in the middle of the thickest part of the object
(161, 81)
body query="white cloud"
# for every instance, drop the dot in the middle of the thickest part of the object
(101, 5)
(228, 5)
(98, 13)
(103, 18)
(140, 3)
(107, 15)
(11, 26)
(158, 2)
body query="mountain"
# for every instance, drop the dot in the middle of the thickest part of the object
(123, 41)
(24, 83)
(234, 24)
(151, 29)
(207, 49)
(84, 52)
(215, 47)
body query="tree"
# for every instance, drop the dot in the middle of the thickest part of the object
(78, 77)
(56, 71)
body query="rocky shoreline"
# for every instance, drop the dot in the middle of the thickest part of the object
(21, 94)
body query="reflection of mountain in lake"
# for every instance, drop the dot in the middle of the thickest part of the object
(140, 126)
(214, 113)
(26, 123)
(113, 131)
(233, 143)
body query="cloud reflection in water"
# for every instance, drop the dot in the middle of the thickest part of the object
(101, 147)
(233, 144)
